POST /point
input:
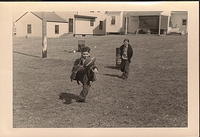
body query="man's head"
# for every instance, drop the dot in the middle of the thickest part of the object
(85, 52)
(126, 42)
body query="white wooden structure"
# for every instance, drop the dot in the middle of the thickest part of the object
(126, 22)
(30, 25)
(85, 23)
(179, 20)
(114, 22)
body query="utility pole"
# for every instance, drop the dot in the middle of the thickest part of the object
(168, 23)
(44, 36)
(126, 25)
(159, 25)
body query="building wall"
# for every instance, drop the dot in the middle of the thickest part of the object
(68, 15)
(63, 28)
(100, 17)
(36, 26)
(117, 27)
(82, 26)
(176, 20)
(97, 30)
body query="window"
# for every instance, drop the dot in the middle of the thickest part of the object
(100, 25)
(56, 29)
(184, 22)
(113, 20)
(91, 22)
(29, 28)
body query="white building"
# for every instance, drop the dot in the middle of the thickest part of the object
(30, 25)
(114, 22)
(85, 23)
(100, 23)
(179, 21)
(130, 22)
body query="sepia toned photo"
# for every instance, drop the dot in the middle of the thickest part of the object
(129, 69)
(101, 68)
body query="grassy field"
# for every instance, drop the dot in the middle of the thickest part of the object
(155, 95)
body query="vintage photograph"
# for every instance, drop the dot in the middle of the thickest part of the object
(100, 69)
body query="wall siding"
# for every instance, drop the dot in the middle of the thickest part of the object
(96, 30)
(36, 26)
(63, 28)
(118, 23)
(82, 26)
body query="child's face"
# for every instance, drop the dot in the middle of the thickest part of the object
(85, 54)
(125, 43)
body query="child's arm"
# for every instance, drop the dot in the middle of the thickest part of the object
(76, 65)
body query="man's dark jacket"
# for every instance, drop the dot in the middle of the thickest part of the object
(129, 52)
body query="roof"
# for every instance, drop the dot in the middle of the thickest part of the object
(85, 17)
(49, 16)
(143, 13)
(21, 16)
(179, 12)
(107, 12)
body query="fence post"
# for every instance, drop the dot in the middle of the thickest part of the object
(44, 37)
(81, 44)
(159, 25)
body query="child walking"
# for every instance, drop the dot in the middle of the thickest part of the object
(126, 53)
(84, 71)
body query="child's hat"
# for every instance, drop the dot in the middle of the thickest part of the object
(85, 49)
(126, 40)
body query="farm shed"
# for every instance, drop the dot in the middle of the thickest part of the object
(30, 25)
(145, 22)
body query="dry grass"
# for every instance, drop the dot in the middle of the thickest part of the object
(155, 95)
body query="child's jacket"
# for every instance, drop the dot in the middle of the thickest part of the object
(129, 52)
(82, 70)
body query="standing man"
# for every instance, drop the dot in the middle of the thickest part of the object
(126, 53)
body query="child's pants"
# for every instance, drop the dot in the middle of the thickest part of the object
(125, 68)
(85, 90)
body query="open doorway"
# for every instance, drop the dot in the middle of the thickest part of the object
(70, 25)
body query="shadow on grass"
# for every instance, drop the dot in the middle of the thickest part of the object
(112, 75)
(26, 54)
(67, 97)
(112, 67)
